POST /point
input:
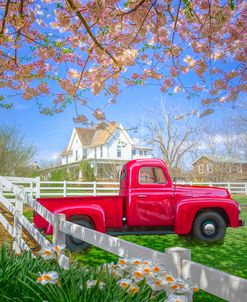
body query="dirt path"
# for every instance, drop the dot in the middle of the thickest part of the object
(5, 237)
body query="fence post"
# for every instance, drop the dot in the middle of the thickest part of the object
(229, 186)
(37, 187)
(176, 255)
(17, 225)
(31, 188)
(246, 188)
(59, 239)
(64, 188)
(94, 188)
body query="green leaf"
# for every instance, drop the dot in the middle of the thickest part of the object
(232, 4)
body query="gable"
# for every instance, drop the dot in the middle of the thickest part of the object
(103, 134)
(85, 135)
(120, 137)
(202, 159)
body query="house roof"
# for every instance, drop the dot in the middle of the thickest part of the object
(65, 152)
(94, 136)
(223, 159)
(102, 134)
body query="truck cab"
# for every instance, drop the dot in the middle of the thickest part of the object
(155, 201)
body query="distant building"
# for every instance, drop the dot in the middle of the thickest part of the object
(217, 168)
(107, 146)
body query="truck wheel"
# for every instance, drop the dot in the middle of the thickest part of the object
(209, 226)
(74, 244)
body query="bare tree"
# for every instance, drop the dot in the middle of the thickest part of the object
(175, 140)
(239, 124)
(15, 154)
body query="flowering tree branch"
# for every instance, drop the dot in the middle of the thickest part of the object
(72, 5)
(4, 17)
(197, 48)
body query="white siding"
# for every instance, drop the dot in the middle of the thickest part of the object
(126, 148)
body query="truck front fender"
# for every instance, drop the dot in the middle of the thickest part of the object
(187, 210)
(94, 212)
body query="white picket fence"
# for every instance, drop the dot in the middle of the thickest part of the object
(176, 260)
(39, 188)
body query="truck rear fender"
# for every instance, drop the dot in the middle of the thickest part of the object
(94, 212)
(189, 208)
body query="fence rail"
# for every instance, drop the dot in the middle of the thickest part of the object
(176, 260)
(38, 188)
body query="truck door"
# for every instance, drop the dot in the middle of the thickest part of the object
(151, 202)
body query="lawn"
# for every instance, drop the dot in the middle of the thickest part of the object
(229, 256)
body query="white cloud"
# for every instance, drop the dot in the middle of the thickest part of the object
(45, 158)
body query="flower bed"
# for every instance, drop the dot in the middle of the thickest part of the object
(24, 278)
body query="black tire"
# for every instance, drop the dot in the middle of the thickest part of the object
(73, 244)
(209, 226)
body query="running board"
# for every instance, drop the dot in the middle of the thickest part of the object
(156, 232)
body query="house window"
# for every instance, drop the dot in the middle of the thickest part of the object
(145, 152)
(133, 152)
(84, 154)
(200, 169)
(239, 168)
(209, 168)
(101, 151)
(95, 153)
(149, 175)
(118, 151)
(76, 155)
(141, 152)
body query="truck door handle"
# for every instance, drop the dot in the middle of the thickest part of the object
(142, 196)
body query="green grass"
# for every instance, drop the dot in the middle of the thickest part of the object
(241, 199)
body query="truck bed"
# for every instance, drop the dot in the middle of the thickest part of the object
(112, 208)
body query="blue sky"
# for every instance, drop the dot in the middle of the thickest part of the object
(50, 134)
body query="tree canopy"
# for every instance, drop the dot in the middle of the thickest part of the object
(16, 154)
(66, 48)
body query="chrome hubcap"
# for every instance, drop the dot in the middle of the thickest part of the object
(209, 229)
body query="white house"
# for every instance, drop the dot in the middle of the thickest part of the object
(106, 145)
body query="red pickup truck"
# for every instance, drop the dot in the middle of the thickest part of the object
(148, 203)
